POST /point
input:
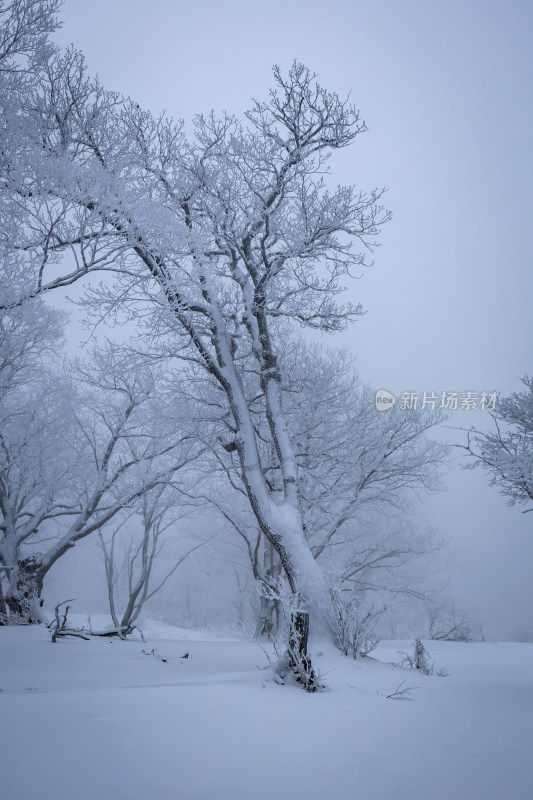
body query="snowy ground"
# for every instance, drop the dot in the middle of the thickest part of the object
(101, 720)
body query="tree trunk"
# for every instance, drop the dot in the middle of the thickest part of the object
(299, 638)
(23, 596)
(3, 606)
(296, 658)
(268, 618)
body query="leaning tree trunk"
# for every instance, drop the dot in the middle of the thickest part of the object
(280, 523)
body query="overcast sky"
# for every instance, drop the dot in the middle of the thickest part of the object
(446, 90)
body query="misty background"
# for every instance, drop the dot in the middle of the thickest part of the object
(445, 89)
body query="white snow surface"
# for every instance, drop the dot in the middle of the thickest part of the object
(103, 720)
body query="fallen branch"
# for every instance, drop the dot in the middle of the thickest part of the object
(121, 631)
(59, 624)
(401, 694)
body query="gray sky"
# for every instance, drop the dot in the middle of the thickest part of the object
(445, 88)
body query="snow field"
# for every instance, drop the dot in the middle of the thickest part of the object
(103, 720)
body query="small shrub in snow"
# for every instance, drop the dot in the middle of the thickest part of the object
(356, 628)
(420, 660)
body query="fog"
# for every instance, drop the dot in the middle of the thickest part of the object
(446, 92)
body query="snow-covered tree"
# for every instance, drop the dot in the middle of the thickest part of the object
(24, 29)
(133, 553)
(34, 422)
(30, 336)
(448, 621)
(25, 48)
(34, 471)
(358, 469)
(215, 242)
(71, 458)
(506, 452)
